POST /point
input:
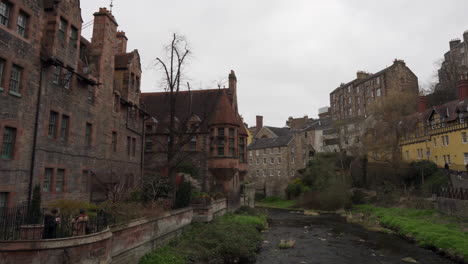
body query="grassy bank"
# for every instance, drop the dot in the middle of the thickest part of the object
(277, 202)
(231, 238)
(428, 228)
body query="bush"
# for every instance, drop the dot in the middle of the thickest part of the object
(414, 176)
(295, 188)
(435, 182)
(71, 208)
(333, 198)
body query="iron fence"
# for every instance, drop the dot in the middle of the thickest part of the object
(453, 193)
(18, 223)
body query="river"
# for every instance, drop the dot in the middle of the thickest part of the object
(329, 239)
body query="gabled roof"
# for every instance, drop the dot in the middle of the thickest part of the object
(122, 61)
(271, 142)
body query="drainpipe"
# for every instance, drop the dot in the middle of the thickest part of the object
(44, 65)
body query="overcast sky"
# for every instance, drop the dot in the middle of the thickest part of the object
(288, 55)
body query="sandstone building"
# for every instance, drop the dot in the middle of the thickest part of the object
(69, 117)
(274, 157)
(215, 137)
(353, 98)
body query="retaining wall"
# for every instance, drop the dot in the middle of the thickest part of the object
(121, 244)
(206, 213)
(453, 206)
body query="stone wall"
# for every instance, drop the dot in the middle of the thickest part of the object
(453, 206)
(123, 244)
(206, 213)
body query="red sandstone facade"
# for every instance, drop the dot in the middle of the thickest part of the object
(218, 147)
(69, 108)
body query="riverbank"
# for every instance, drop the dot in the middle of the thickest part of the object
(428, 228)
(232, 238)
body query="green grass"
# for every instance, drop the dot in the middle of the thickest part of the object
(228, 239)
(428, 227)
(277, 202)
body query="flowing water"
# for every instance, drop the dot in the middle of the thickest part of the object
(329, 239)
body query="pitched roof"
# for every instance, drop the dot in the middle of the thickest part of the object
(271, 142)
(211, 106)
(279, 131)
(122, 61)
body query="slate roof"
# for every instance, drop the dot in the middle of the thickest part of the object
(262, 143)
(211, 106)
(279, 131)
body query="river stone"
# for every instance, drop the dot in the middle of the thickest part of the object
(409, 260)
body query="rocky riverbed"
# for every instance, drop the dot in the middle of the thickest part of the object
(330, 239)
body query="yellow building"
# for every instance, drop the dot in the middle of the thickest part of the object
(438, 134)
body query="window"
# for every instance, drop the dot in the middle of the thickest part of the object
(378, 92)
(435, 142)
(377, 81)
(22, 23)
(73, 36)
(64, 128)
(257, 161)
(250, 162)
(59, 181)
(47, 179)
(272, 160)
(133, 147)
(90, 94)
(436, 160)
(279, 173)
(460, 118)
(129, 145)
(447, 140)
(257, 173)
(292, 160)
(357, 89)
(407, 155)
(232, 147)
(264, 151)
(279, 160)
(8, 143)
(67, 78)
(53, 119)
(257, 152)
(148, 145)
(4, 12)
(88, 132)
(62, 29)
(114, 141)
(250, 153)
(264, 161)
(57, 73)
(242, 149)
(231, 132)
(443, 140)
(272, 172)
(84, 181)
(293, 172)
(349, 100)
(465, 158)
(15, 79)
(448, 159)
(264, 172)
(463, 134)
(193, 143)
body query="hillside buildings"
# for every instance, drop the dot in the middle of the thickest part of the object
(438, 134)
(352, 99)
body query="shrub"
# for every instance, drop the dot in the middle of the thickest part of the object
(435, 182)
(71, 208)
(164, 255)
(295, 188)
(333, 198)
(414, 176)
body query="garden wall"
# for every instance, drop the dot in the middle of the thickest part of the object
(206, 213)
(121, 244)
(453, 206)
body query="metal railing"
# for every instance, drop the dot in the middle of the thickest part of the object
(18, 223)
(453, 193)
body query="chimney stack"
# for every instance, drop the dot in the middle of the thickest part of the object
(232, 90)
(453, 43)
(362, 74)
(422, 103)
(465, 37)
(121, 43)
(259, 123)
(463, 87)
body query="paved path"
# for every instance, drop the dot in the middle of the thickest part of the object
(330, 240)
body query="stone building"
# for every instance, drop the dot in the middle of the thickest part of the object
(455, 62)
(213, 136)
(274, 157)
(438, 133)
(69, 117)
(352, 99)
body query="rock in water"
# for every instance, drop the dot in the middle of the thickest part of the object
(409, 260)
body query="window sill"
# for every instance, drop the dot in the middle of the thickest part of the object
(15, 94)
